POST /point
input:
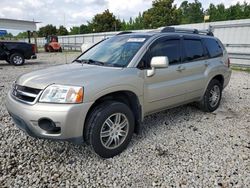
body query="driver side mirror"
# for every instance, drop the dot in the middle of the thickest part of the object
(157, 62)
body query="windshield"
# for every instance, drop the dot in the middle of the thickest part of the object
(117, 51)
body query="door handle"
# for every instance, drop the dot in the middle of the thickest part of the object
(181, 68)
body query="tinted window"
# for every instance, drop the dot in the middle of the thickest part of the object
(193, 50)
(169, 48)
(213, 47)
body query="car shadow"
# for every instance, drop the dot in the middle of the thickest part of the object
(168, 118)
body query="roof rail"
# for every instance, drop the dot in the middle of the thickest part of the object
(124, 32)
(184, 30)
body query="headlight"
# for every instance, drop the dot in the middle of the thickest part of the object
(62, 94)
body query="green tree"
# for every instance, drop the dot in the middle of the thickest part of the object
(183, 9)
(47, 30)
(22, 34)
(162, 13)
(124, 25)
(85, 29)
(191, 12)
(217, 13)
(62, 31)
(8, 36)
(74, 30)
(235, 12)
(105, 22)
(246, 10)
(138, 22)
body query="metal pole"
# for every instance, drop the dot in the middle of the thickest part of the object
(75, 43)
(35, 36)
(28, 36)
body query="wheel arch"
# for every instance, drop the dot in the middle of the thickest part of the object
(125, 96)
(218, 77)
(16, 51)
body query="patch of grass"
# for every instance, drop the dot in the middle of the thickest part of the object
(237, 68)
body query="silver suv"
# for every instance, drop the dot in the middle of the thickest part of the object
(103, 96)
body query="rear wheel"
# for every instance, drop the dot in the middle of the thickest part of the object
(17, 59)
(51, 49)
(212, 97)
(109, 128)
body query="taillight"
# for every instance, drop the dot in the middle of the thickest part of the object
(33, 48)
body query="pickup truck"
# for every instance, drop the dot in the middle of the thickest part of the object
(15, 53)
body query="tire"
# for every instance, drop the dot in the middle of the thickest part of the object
(46, 48)
(17, 59)
(106, 137)
(51, 49)
(211, 102)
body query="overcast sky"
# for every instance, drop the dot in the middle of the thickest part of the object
(76, 12)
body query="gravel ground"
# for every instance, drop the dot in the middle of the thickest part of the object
(181, 147)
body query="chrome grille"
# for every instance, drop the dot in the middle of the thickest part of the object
(25, 94)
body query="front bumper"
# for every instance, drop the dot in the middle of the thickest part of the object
(69, 117)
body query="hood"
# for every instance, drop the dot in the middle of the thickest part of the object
(68, 74)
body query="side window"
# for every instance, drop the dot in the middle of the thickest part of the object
(162, 47)
(169, 48)
(213, 47)
(193, 49)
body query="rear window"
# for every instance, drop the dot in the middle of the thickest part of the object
(193, 50)
(213, 47)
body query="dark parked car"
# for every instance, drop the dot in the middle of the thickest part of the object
(15, 53)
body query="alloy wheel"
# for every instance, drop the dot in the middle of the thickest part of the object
(114, 131)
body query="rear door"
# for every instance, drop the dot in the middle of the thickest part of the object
(194, 63)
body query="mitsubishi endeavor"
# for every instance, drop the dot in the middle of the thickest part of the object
(102, 97)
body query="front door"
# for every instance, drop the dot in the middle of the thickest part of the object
(166, 87)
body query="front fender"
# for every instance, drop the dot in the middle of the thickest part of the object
(118, 88)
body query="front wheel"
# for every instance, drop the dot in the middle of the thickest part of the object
(212, 97)
(109, 128)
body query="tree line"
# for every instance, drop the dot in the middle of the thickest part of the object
(162, 13)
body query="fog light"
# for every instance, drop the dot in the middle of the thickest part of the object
(48, 125)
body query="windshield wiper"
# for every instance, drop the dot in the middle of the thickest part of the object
(89, 61)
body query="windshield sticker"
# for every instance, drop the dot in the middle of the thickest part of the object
(136, 39)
